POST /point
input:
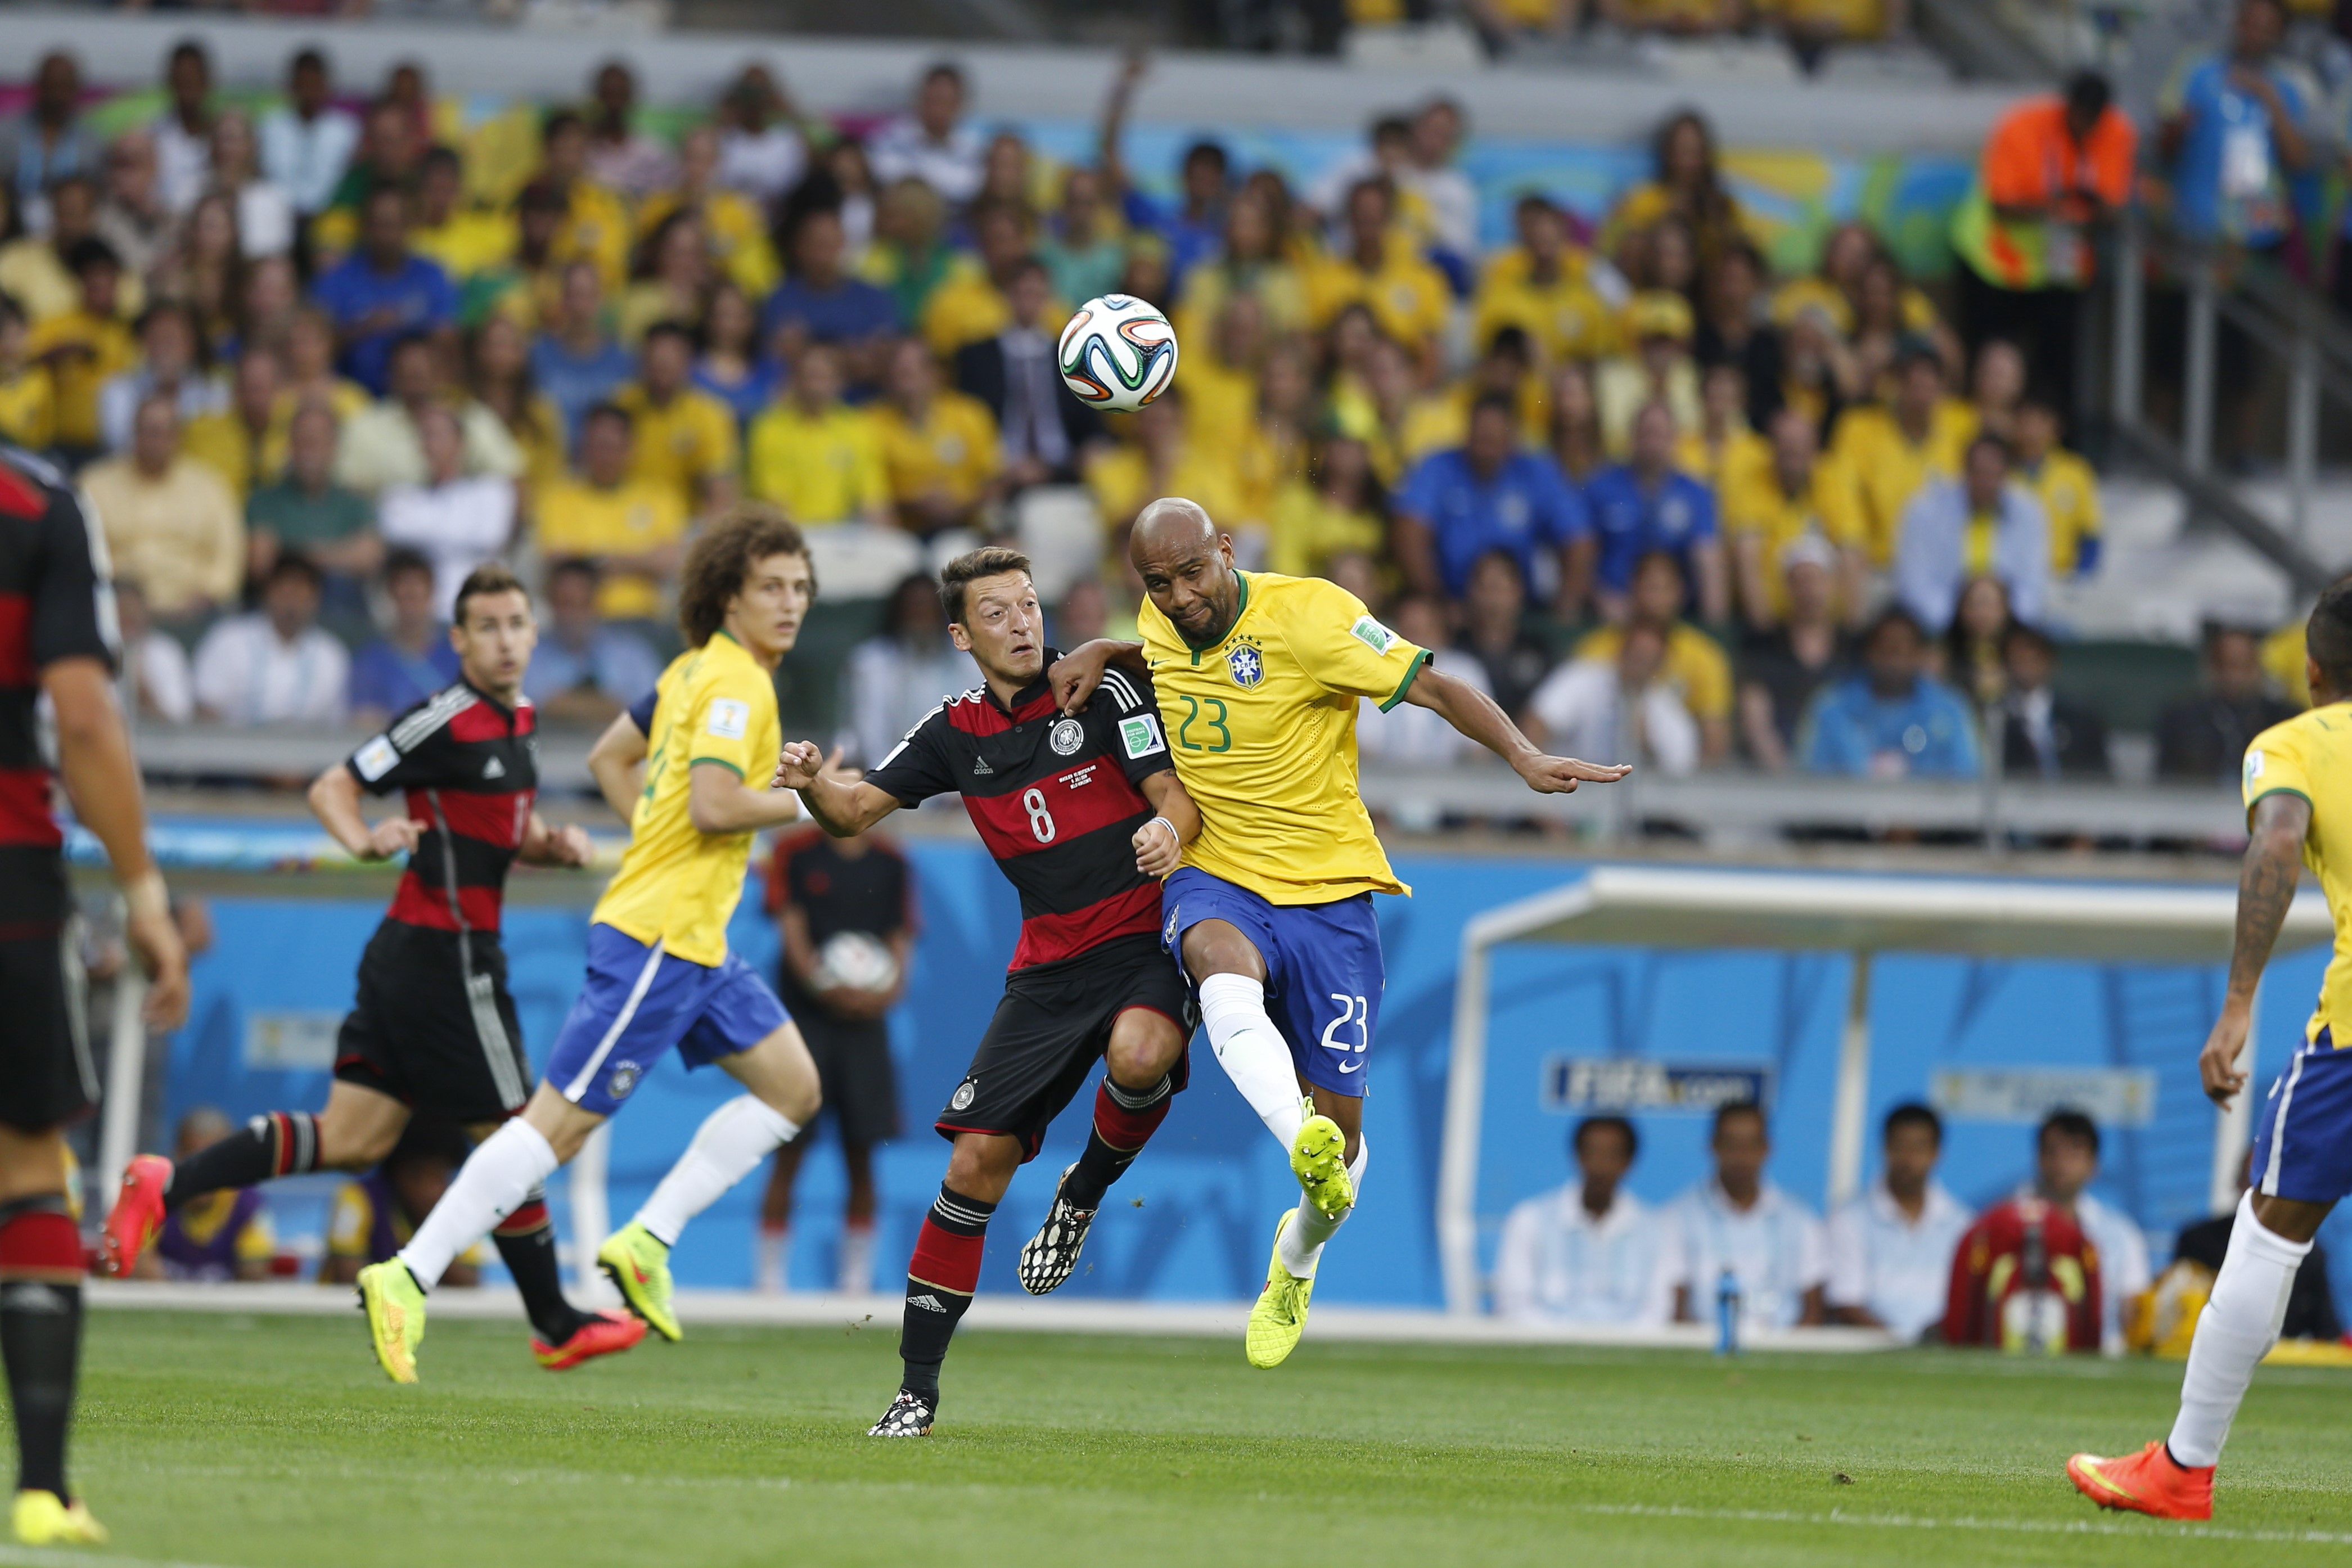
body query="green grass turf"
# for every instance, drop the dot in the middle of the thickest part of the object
(254, 1441)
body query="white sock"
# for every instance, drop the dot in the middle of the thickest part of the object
(770, 1249)
(727, 1147)
(1303, 1238)
(1251, 1050)
(856, 1259)
(2237, 1328)
(495, 1181)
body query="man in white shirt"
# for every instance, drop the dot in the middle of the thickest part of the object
(930, 144)
(453, 520)
(275, 667)
(761, 149)
(1739, 1224)
(1621, 708)
(307, 145)
(183, 131)
(2066, 1162)
(1890, 1249)
(1589, 1251)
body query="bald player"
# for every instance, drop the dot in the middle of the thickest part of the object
(1270, 912)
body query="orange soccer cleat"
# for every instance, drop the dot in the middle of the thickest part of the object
(137, 1215)
(606, 1333)
(2149, 1482)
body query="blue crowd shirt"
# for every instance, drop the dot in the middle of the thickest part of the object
(369, 308)
(1631, 523)
(577, 383)
(385, 674)
(1850, 729)
(850, 311)
(1527, 503)
(2228, 182)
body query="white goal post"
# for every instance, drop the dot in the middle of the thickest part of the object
(1673, 907)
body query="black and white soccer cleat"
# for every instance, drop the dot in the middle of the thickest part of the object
(1048, 1257)
(908, 1417)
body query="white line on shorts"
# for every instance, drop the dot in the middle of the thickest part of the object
(1966, 1521)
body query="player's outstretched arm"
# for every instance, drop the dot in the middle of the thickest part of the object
(841, 808)
(617, 763)
(2266, 882)
(1476, 715)
(717, 801)
(1159, 843)
(335, 802)
(1076, 673)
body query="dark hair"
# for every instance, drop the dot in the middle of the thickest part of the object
(191, 50)
(2069, 1124)
(670, 327)
(489, 577)
(559, 121)
(1648, 558)
(947, 68)
(1501, 554)
(1911, 1113)
(1390, 128)
(1616, 1124)
(2019, 632)
(1207, 151)
(1986, 438)
(572, 566)
(538, 196)
(1911, 349)
(607, 411)
(12, 306)
(989, 561)
(294, 564)
(1893, 616)
(1500, 402)
(407, 338)
(2088, 94)
(441, 155)
(722, 557)
(401, 558)
(1512, 338)
(1731, 1108)
(90, 251)
(307, 59)
(2327, 637)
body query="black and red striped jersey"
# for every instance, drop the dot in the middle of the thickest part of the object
(1055, 799)
(469, 765)
(56, 603)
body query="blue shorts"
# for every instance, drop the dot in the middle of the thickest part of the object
(2303, 1132)
(1323, 970)
(638, 1002)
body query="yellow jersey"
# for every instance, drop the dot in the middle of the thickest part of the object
(28, 409)
(1564, 320)
(1883, 468)
(222, 439)
(1308, 529)
(677, 885)
(954, 449)
(821, 469)
(468, 243)
(2301, 757)
(82, 353)
(1408, 297)
(734, 233)
(1262, 726)
(633, 518)
(682, 444)
(1696, 666)
(2069, 492)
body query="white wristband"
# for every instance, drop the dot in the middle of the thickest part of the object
(1174, 836)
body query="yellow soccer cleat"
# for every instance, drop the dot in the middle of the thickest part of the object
(395, 1315)
(44, 1518)
(638, 1263)
(1318, 1158)
(1280, 1315)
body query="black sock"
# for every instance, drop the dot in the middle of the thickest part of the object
(526, 1241)
(1125, 1119)
(276, 1143)
(40, 1332)
(941, 1280)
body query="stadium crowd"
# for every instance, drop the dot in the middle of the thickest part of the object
(1667, 506)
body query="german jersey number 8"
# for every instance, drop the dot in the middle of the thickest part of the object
(1041, 821)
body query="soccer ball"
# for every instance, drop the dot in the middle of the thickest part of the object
(858, 960)
(1118, 352)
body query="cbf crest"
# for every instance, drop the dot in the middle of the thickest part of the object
(1247, 665)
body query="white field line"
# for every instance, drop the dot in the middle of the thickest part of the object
(2152, 1529)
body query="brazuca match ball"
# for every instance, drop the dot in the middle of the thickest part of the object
(1118, 352)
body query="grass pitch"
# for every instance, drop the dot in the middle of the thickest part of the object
(249, 1442)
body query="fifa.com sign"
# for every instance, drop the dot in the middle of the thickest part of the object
(1598, 1085)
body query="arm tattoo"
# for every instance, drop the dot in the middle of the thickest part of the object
(2266, 885)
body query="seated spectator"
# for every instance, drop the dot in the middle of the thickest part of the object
(305, 510)
(1487, 495)
(1995, 390)
(932, 144)
(909, 255)
(1495, 632)
(595, 227)
(220, 1235)
(412, 660)
(455, 520)
(2065, 485)
(1738, 1230)
(1891, 720)
(820, 302)
(1723, 449)
(1974, 665)
(464, 240)
(274, 666)
(306, 142)
(1574, 439)
(1889, 313)
(375, 1215)
(1042, 427)
(28, 397)
(263, 209)
(1686, 183)
(1081, 249)
(1378, 266)
(893, 679)
(183, 131)
(939, 446)
(169, 366)
(392, 139)
(1646, 504)
(1979, 523)
(48, 140)
(499, 378)
(38, 268)
(245, 441)
(670, 281)
(383, 291)
(1767, 510)
(734, 228)
(584, 671)
(813, 455)
(1620, 708)
(576, 360)
(383, 445)
(2310, 1303)
(1781, 669)
(1654, 367)
(1252, 265)
(2203, 737)
(1890, 1250)
(311, 366)
(2066, 1162)
(1543, 286)
(1734, 332)
(1589, 1251)
(1339, 511)
(727, 362)
(762, 150)
(131, 215)
(1882, 454)
(169, 520)
(634, 529)
(1406, 736)
(1697, 669)
(527, 287)
(154, 677)
(975, 303)
(621, 158)
(1438, 420)
(2044, 735)
(685, 437)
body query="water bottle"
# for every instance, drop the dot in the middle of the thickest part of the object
(1727, 1314)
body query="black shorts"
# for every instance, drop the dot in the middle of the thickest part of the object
(1050, 1029)
(433, 1027)
(853, 1068)
(46, 1076)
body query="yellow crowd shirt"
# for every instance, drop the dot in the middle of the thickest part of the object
(1885, 469)
(1565, 319)
(822, 468)
(576, 518)
(2069, 492)
(225, 440)
(2299, 757)
(1407, 297)
(953, 447)
(735, 234)
(1696, 666)
(468, 243)
(1262, 727)
(595, 229)
(680, 443)
(83, 353)
(28, 409)
(678, 885)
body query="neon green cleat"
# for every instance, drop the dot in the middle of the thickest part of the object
(1318, 1158)
(395, 1315)
(638, 1263)
(1280, 1315)
(44, 1518)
